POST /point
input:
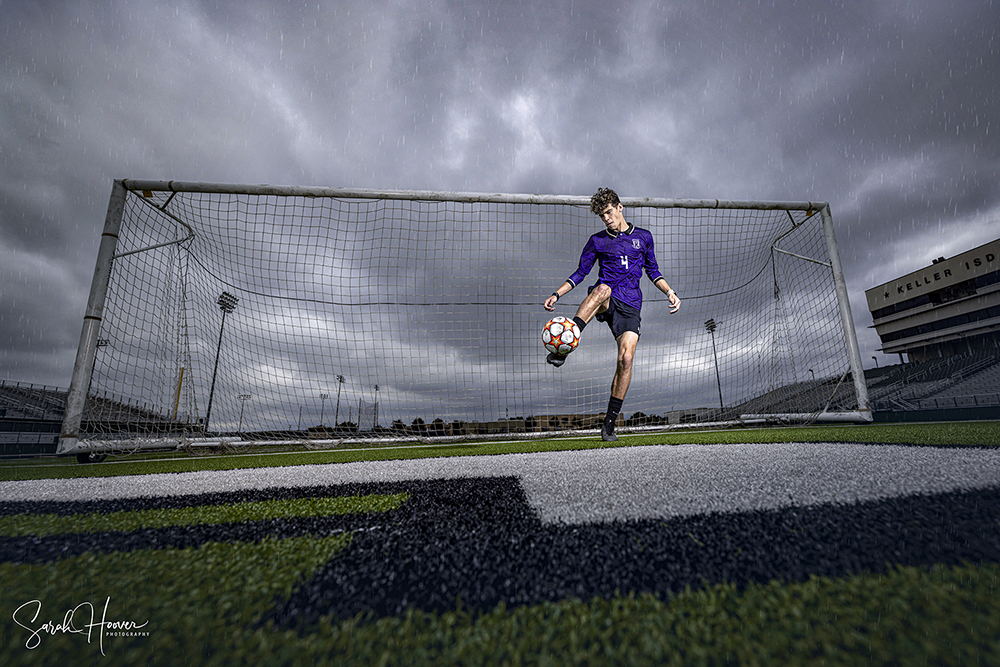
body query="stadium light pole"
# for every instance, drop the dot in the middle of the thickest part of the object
(227, 303)
(710, 326)
(375, 420)
(336, 417)
(322, 408)
(243, 399)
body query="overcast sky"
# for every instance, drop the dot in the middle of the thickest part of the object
(887, 109)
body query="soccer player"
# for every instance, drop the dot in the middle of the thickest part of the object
(623, 251)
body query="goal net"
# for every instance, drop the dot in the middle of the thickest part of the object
(284, 314)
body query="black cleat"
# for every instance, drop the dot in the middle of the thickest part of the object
(608, 432)
(556, 360)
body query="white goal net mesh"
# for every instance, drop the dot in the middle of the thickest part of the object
(331, 314)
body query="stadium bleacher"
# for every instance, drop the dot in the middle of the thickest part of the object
(961, 381)
(20, 400)
(31, 418)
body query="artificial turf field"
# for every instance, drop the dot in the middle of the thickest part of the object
(828, 545)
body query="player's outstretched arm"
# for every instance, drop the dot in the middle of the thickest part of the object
(550, 303)
(675, 301)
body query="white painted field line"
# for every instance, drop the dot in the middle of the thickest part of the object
(609, 484)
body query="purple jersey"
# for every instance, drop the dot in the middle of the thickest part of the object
(622, 258)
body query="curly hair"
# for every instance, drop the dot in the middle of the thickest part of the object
(600, 200)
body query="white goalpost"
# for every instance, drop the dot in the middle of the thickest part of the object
(266, 314)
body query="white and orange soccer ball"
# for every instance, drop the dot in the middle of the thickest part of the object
(560, 335)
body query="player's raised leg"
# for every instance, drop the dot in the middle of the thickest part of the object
(596, 302)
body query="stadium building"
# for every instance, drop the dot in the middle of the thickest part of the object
(949, 308)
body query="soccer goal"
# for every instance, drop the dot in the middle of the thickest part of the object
(259, 314)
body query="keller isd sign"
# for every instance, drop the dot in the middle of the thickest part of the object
(976, 262)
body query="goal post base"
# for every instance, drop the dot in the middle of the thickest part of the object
(94, 448)
(83, 447)
(850, 417)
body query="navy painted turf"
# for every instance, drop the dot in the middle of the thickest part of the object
(480, 541)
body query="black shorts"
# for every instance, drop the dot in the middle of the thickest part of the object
(620, 317)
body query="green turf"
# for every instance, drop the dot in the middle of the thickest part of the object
(204, 606)
(963, 433)
(198, 605)
(51, 524)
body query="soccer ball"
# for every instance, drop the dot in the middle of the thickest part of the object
(560, 335)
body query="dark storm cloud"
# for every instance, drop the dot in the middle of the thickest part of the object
(885, 109)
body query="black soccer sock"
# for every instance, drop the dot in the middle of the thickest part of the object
(614, 409)
(580, 323)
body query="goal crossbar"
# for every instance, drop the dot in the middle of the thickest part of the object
(468, 197)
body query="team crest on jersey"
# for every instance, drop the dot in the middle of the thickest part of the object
(637, 244)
